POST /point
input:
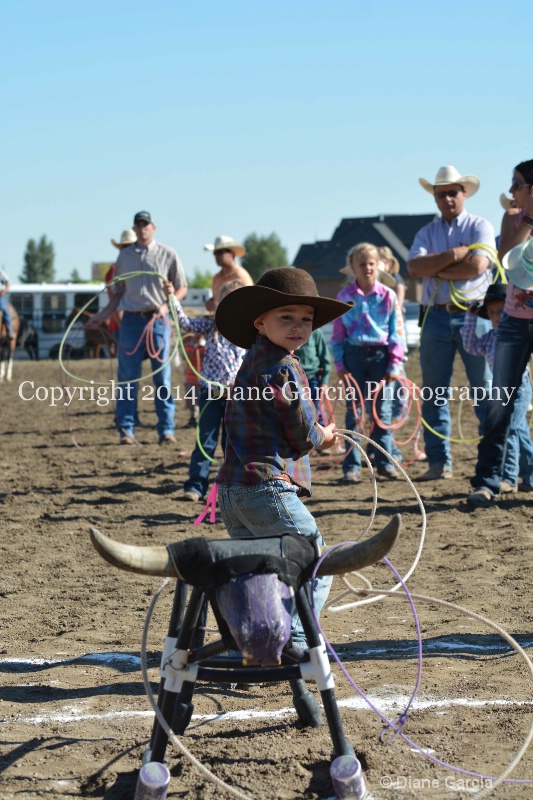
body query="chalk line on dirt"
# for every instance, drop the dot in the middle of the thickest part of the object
(385, 704)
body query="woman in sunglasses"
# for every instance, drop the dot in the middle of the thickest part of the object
(514, 340)
(515, 229)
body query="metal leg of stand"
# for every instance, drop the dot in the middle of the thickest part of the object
(177, 708)
(341, 746)
(158, 741)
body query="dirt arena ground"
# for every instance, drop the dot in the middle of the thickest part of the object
(74, 716)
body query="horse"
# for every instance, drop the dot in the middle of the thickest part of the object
(28, 338)
(8, 345)
(95, 338)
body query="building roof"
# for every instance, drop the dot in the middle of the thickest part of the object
(324, 259)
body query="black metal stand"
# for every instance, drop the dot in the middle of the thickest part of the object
(186, 660)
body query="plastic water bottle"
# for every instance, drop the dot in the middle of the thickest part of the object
(153, 781)
(347, 778)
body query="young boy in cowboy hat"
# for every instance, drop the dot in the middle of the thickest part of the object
(271, 422)
(518, 457)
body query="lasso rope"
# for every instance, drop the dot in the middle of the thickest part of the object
(495, 781)
(118, 279)
(397, 727)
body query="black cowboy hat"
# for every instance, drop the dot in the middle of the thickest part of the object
(236, 313)
(496, 291)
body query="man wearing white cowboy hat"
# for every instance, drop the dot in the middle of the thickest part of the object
(453, 276)
(226, 249)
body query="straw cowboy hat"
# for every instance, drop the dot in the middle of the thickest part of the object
(518, 263)
(382, 276)
(126, 237)
(448, 175)
(236, 313)
(506, 202)
(226, 243)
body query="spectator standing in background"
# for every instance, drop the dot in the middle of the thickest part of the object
(142, 299)
(451, 273)
(366, 344)
(316, 363)
(514, 342)
(225, 250)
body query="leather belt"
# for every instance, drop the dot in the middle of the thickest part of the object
(282, 477)
(141, 313)
(451, 308)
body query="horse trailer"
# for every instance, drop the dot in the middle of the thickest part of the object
(48, 306)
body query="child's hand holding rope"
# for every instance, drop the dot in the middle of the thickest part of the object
(329, 434)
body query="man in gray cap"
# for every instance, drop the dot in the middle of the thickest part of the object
(453, 276)
(143, 330)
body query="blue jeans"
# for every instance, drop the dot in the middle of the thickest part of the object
(130, 369)
(514, 344)
(270, 509)
(5, 313)
(368, 364)
(211, 420)
(518, 455)
(440, 342)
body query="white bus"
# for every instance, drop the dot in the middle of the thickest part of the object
(47, 306)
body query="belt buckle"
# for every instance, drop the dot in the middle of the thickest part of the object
(451, 308)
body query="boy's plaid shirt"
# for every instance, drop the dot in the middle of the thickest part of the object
(271, 422)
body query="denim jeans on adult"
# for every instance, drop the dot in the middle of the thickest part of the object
(211, 420)
(272, 508)
(130, 368)
(518, 454)
(439, 344)
(514, 344)
(368, 364)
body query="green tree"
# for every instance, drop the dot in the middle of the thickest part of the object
(263, 253)
(38, 262)
(75, 277)
(200, 280)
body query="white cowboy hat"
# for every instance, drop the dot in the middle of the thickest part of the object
(448, 175)
(226, 243)
(518, 264)
(382, 276)
(126, 237)
(506, 202)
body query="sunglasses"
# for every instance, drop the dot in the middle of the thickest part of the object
(449, 193)
(515, 186)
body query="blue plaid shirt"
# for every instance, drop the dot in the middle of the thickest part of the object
(270, 420)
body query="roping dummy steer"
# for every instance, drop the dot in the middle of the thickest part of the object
(252, 586)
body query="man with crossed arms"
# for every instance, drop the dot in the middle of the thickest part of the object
(440, 255)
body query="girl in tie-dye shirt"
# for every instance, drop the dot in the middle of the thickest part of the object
(367, 344)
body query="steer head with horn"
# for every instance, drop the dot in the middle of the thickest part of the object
(245, 577)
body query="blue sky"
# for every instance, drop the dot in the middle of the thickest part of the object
(241, 116)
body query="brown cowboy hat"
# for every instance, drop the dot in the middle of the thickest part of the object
(237, 312)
